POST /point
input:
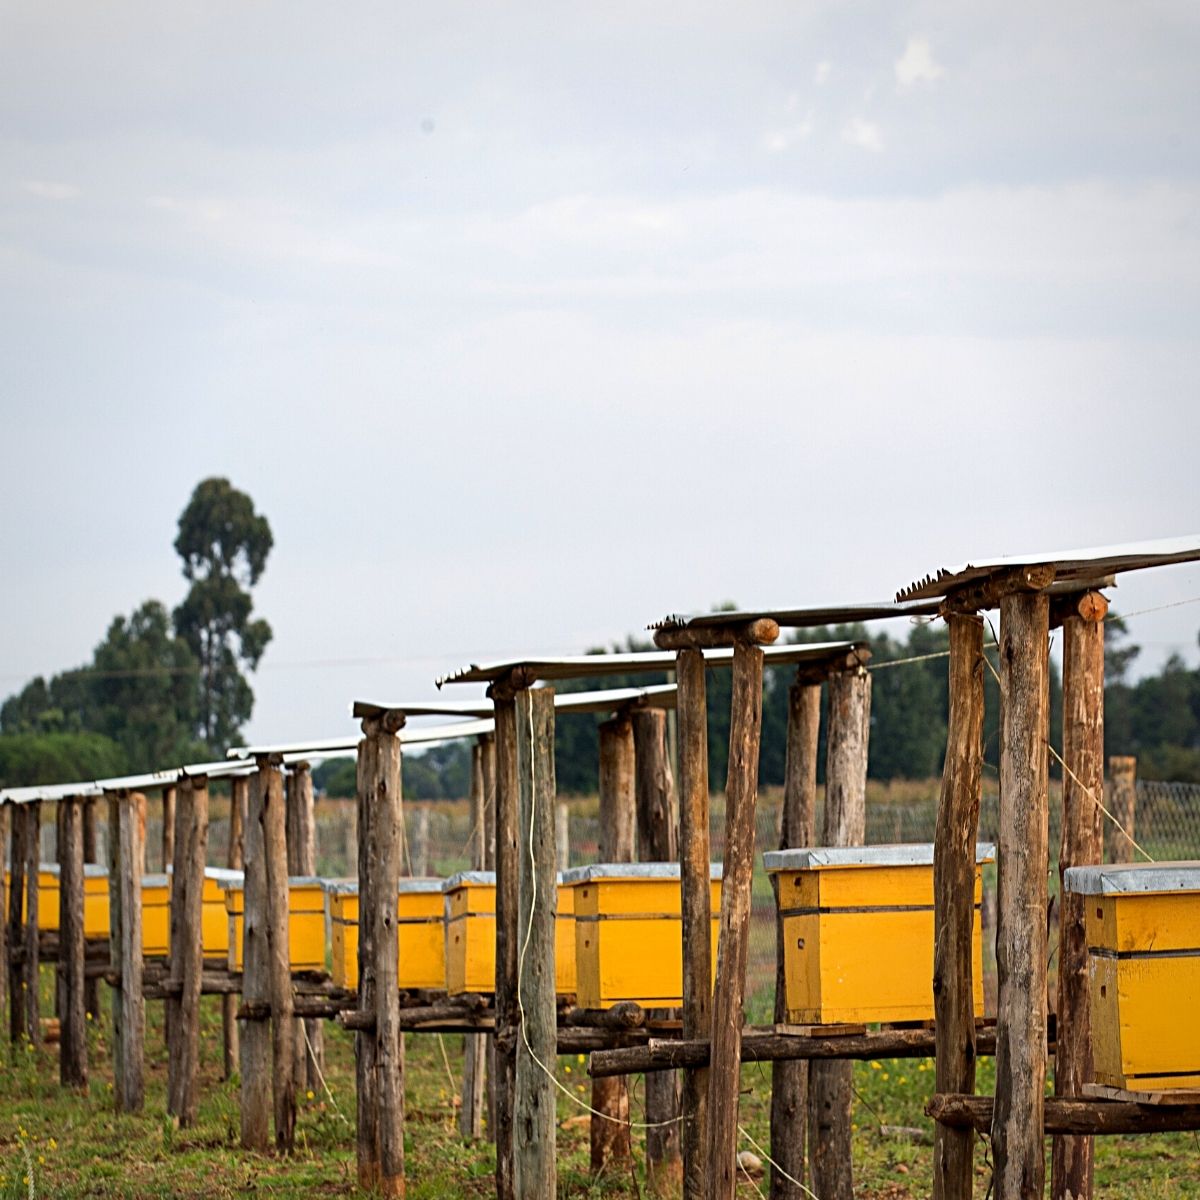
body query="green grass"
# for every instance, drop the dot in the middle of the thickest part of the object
(73, 1145)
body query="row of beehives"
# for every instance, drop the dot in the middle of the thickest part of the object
(856, 926)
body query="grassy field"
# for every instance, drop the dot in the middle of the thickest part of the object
(58, 1143)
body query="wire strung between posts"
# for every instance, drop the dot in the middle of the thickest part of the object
(791, 1179)
(1079, 782)
(521, 972)
(312, 1058)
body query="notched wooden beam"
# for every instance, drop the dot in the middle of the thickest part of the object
(762, 632)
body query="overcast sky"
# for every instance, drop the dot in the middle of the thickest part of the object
(525, 325)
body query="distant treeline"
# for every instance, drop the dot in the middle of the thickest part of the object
(1156, 718)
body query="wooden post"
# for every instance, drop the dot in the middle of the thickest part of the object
(657, 842)
(611, 1142)
(728, 1013)
(366, 1083)
(302, 860)
(534, 1159)
(1017, 1151)
(562, 834)
(72, 1045)
(954, 902)
(31, 978)
(255, 1035)
(168, 826)
(186, 965)
(831, 1084)
(59, 981)
(125, 856)
(420, 841)
(470, 1110)
(1122, 771)
(279, 972)
(91, 985)
(507, 937)
(797, 827)
(696, 904)
(1082, 845)
(16, 936)
(487, 745)
(387, 825)
(239, 787)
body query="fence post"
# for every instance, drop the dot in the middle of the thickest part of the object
(239, 787)
(302, 860)
(470, 1112)
(73, 1066)
(1122, 771)
(255, 1036)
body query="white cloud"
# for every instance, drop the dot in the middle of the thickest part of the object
(917, 64)
(864, 134)
(822, 73)
(776, 141)
(47, 190)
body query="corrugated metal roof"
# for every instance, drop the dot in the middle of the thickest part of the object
(583, 666)
(49, 792)
(659, 695)
(808, 617)
(297, 752)
(1073, 566)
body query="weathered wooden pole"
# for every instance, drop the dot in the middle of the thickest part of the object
(239, 787)
(1082, 845)
(611, 1142)
(534, 1125)
(954, 857)
(91, 985)
(15, 930)
(1017, 1149)
(302, 860)
(125, 857)
(797, 827)
(562, 834)
(30, 974)
(168, 826)
(831, 1084)
(508, 1013)
(487, 746)
(420, 840)
(471, 1108)
(186, 964)
(72, 1045)
(365, 1078)
(657, 842)
(729, 997)
(696, 908)
(279, 972)
(1122, 771)
(255, 1036)
(387, 824)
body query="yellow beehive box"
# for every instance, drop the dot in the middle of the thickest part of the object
(1143, 932)
(156, 915)
(471, 935)
(306, 921)
(95, 899)
(419, 927)
(628, 936)
(858, 932)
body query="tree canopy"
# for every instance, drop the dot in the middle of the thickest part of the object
(224, 545)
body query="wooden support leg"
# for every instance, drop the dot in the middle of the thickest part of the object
(366, 1083)
(72, 1046)
(789, 1080)
(1082, 845)
(954, 902)
(697, 908)
(16, 934)
(388, 822)
(534, 1126)
(507, 938)
(31, 976)
(610, 1134)
(91, 986)
(5, 834)
(126, 846)
(831, 1083)
(1122, 771)
(657, 842)
(1017, 1151)
(255, 1035)
(239, 789)
(279, 973)
(302, 860)
(190, 845)
(470, 1111)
